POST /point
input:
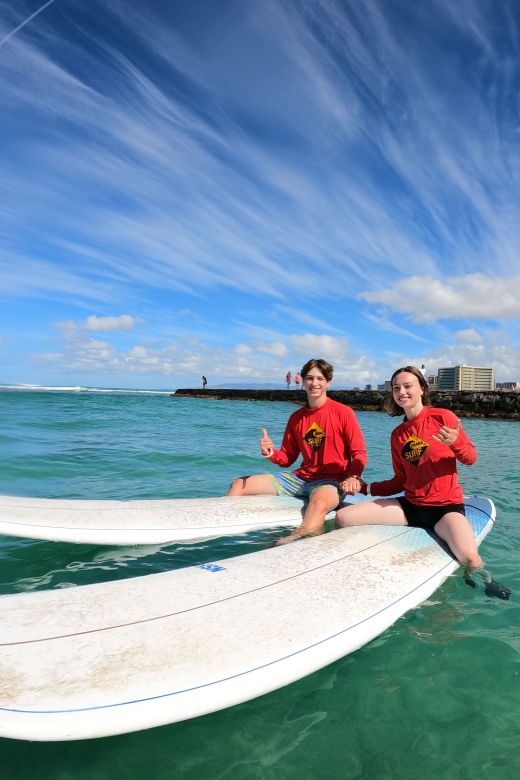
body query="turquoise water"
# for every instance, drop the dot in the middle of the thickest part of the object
(435, 696)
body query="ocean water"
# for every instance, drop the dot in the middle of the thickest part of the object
(435, 696)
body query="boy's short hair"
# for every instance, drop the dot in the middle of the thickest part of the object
(326, 369)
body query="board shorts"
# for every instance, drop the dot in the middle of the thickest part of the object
(427, 516)
(288, 484)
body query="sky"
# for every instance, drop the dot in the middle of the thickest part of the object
(229, 188)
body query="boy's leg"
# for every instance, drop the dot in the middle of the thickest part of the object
(383, 511)
(255, 485)
(322, 500)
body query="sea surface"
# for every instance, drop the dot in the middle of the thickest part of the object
(435, 697)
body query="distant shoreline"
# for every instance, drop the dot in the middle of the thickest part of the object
(493, 404)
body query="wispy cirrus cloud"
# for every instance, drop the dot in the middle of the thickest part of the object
(209, 170)
(288, 156)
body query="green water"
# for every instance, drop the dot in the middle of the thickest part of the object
(435, 696)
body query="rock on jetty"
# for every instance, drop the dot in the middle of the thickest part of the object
(496, 404)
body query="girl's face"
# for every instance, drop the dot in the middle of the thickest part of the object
(407, 391)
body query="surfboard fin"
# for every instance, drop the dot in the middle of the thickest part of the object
(493, 589)
(497, 591)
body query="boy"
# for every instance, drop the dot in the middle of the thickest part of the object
(327, 435)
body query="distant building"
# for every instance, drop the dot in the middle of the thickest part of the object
(464, 377)
(368, 387)
(432, 382)
(356, 388)
(381, 387)
(507, 385)
(388, 384)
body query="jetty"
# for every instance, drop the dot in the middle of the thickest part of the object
(464, 403)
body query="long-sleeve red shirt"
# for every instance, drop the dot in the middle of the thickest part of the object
(424, 468)
(330, 440)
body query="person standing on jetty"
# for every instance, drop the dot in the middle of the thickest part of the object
(204, 383)
(425, 449)
(298, 380)
(328, 436)
(288, 378)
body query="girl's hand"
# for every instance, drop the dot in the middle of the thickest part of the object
(266, 445)
(447, 435)
(351, 485)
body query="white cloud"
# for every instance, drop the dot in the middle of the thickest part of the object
(494, 350)
(243, 350)
(349, 367)
(327, 347)
(123, 323)
(276, 348)
(256, 361)
(425, 299)
(468, 336)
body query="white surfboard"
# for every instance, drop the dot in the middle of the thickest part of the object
(144, 522)
(105, 659)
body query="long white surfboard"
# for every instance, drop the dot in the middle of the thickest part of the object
(144, 522)
(105, 659)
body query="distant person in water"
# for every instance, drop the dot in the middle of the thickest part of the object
(298, 380)
(288, 378)
(425, 449)
(328, 436)
(204, 383)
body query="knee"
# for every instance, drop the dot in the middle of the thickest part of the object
(237, 486)
(320, 505)
(342, 518)
(471, 559)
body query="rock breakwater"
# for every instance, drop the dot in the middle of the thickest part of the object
(494, 404)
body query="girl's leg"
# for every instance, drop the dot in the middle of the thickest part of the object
(255, 485)
(458, 534)
(383, 511)
(455, 530)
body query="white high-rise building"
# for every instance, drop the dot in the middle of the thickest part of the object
(464, 377)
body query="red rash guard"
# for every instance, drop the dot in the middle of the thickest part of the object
(330, 440)
(424, 468)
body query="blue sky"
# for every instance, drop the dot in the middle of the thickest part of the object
(227, 188)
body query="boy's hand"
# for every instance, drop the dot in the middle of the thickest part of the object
(266, 445)
(351, 485)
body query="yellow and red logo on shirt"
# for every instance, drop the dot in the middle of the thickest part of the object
(413, 450)
(315, 436)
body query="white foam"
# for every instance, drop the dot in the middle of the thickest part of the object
(79, 389)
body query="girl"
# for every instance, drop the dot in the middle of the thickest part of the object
(425, 449)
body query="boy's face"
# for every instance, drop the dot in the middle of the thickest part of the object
(315, 383)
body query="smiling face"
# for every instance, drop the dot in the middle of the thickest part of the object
(315, 386)
(408, 393)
